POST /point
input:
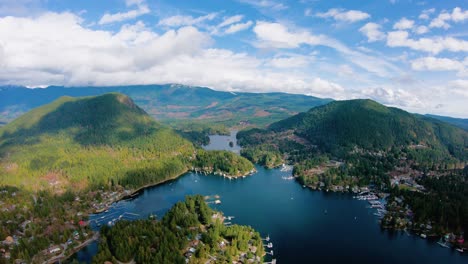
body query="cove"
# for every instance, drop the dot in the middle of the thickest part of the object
(304, 226)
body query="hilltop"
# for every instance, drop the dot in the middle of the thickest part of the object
(91, 141)
(341, 129)
(366, 124)
(171, 102)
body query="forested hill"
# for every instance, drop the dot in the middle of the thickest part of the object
(341, 127)
(171, 102)
(372, 126)
(91, 141)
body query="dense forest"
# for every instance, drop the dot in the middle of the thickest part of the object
(89, 142)
(190, 231)
(219, 161)
(345, 129)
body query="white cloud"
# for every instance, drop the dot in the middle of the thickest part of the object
(344, 16)
(346, 70)
(426, 13)
(118, 17)
(436, 64)
(296, 61)
(403, 24)
(443, 19)
(136, 55)
(231, 25)
(278, 36)
(392, 96)
(372, 32)
(238, 27)
(231, 20)
(459, 87)
(308, 12)
(432, 45)
(421, 30)
(179, 21)
(458, 15)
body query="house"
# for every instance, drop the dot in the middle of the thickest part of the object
(8, 240)
(54, 249)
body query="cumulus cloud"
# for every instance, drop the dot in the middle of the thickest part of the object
(136, 55)
(443, 19)
(426, 13)
(421, 30)
(392, 96)
(372, 32)
(142, 9)
(433, 45)
(403, 24)
(341, 15)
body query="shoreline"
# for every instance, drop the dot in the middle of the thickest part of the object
(134, 193)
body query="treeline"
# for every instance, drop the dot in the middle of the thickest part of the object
(165, 241)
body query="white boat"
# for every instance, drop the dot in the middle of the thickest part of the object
(459, 250)
(423, 235)
(443, 243)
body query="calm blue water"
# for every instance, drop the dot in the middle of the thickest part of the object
(294, 217)
(218, 142)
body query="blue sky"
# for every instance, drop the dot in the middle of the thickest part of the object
(409, 54)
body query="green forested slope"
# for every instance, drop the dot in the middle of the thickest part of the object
(343, 125)
(78, 142)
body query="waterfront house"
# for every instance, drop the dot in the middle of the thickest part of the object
(54, 249)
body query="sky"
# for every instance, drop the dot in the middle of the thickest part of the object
(411, 54)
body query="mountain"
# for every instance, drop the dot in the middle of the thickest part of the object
(370, 125)
(341, 127)
(88, 142)
(459, 122)
(171, 102)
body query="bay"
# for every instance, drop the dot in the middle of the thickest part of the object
(305, 226)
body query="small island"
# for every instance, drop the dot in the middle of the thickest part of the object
(221, 162)
(190, 232)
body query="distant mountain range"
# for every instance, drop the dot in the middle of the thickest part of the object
(172, 102)
(459, 122)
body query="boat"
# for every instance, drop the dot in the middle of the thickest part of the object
(459, 250)
(443, 243)
(423, 235)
